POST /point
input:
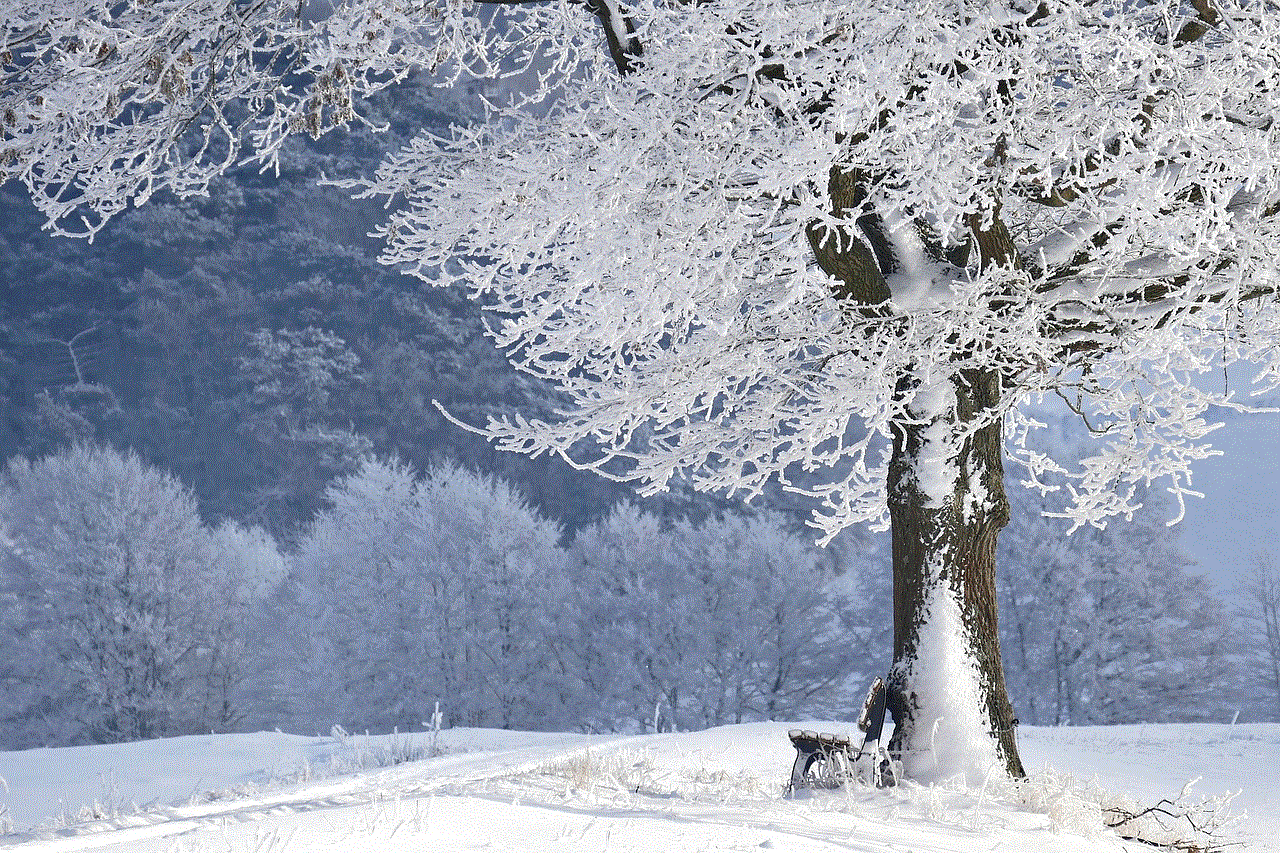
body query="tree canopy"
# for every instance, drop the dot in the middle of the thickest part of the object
(1079, 196)
(1075, 197)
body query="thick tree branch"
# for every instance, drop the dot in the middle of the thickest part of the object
(1085, 336)
(857, 255)
(619, 30)
(619, 34)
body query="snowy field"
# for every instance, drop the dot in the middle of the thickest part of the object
(719, 790)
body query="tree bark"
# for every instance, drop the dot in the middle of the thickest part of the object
(948, 546)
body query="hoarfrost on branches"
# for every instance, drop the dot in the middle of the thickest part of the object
(1078, 198)
(104, 103)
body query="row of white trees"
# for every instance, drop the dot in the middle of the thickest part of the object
(451, 588)
(126, 617)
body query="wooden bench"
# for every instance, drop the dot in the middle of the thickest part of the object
(828, 760)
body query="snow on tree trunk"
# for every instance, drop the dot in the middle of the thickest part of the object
(947, 504)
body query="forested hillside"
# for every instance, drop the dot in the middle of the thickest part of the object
(251, 343)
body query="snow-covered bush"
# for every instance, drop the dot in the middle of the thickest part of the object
(127, 613)
(1182, 823)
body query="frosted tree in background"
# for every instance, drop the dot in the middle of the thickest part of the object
(416, 590)
(132, 614)
(293, 376)
(116, 548)
(686, 626)
(249, 569)
(356, 567)
(1107, 626)
(37, 704)
(835, 246)
(504, 557)
(1260, 614)
(777, 628)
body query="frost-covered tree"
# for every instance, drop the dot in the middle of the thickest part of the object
(131, 613)
(508, 573)
(37, 702)
(776, 629)
(834, 245)
(416, 590)
(293, 374)
(116, 548)
(689, 626)
(1109, 625)
(232, 661)
(351, 575)
(1260, 614)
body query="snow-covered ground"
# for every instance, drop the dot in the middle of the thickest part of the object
(719, 790)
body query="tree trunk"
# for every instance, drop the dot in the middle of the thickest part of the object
(947, 506)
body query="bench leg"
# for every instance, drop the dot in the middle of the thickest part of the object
(800, 769)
